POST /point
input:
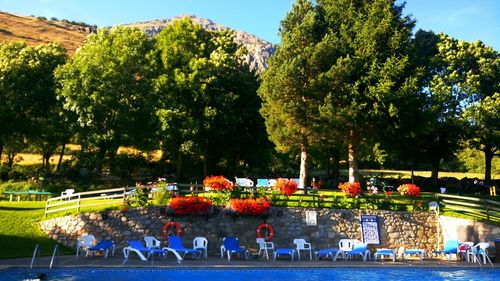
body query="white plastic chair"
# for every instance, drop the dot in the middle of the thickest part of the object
(265, 246)
(67, 193)
(480, 250)
(201, 243)
(271, 182)
(84, 242)
(302, 245)
(152, 242)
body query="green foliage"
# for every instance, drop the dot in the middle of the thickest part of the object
(473, 161)
(139, 198)
(208, 108)
(162, 197)
(27, 90)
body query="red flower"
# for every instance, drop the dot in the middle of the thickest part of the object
(250, 206)
(285, 186)
(218, 183)
(350, 189)
(190, 205)
(411, 189)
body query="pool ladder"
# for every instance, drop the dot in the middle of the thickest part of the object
(36, 256)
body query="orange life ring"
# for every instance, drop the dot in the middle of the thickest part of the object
(270, 232)
(167, 227)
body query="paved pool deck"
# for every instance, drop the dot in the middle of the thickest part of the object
(218, 262)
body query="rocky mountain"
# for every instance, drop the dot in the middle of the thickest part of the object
(258, 50)
(39, 30)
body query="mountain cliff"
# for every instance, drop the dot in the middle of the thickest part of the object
(39, 30)
(258, 50)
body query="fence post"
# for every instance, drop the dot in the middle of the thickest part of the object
(78, 204)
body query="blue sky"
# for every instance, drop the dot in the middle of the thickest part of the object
(468, 20)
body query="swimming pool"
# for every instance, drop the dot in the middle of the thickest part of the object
(247, 274)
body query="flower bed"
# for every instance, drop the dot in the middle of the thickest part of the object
(350, 189)
(409, 189)
(190, 205)
(249, 206)
(286, 187)
(218, 183)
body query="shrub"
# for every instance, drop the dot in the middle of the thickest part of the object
(286, 187)
(190, 205)
(218, 183)
(350, 189)
(249, 206)
(410, 189)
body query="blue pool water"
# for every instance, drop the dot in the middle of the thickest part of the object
(243, 274)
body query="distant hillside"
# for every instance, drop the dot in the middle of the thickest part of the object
(39, 31)
(258, 50)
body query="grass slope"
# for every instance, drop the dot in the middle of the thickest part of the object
(37, 32)
(19, 232)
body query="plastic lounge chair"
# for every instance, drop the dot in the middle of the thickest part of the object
(345, 245)
(84, 242)
(265, 246)
(231, 245)
(450, 248)
(302, 245)
(175, 243)
(104, 246)
(152, 242)
(480, 250)
(411, 252)
(262, 183)
(359, 249)
(284, 251)
(201, 243)
(138, 248)
(333, 252)
(381, 253)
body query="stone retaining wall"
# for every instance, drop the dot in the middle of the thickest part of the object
(398, 230)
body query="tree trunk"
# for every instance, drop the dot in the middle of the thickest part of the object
(335, 163)
(11, 155)
(435, 171)
(178, 166)
(488, 157)
(100, 159)
(61, 155)
(1, 152)
(353, 145)
(303, 166)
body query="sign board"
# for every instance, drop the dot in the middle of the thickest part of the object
(311, 218)
(369, 229)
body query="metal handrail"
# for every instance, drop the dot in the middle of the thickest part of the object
(55, 255)
(36, 253)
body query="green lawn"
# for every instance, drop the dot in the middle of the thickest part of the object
(19, 232)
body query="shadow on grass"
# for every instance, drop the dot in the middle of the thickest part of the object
(22, 247)
(5, 208)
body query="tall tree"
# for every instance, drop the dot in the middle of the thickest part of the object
(484, 119)
(370, 77)
(464, 74)
(107, 84)
(27, 88)
(208, 104)
(289, 88)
